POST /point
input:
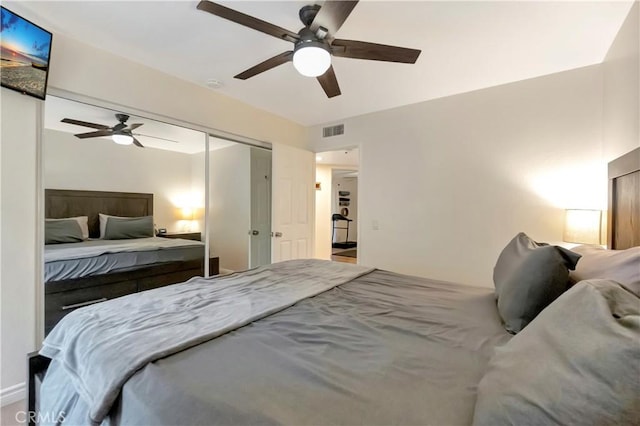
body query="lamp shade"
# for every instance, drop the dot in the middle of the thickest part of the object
(122, 139)
(582, 226)
(186, 213)
(311, 59)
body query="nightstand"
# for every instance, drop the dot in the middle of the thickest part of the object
(195, 236)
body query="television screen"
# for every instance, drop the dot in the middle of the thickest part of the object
(24, 55)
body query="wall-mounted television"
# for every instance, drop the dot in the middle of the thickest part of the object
(24, 55)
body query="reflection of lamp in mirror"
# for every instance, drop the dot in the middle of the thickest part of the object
(582, 226)
(187, 214)
(187, 210)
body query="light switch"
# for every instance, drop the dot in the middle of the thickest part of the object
(375, 225)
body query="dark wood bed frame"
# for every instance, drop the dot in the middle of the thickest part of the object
(59, 203)
(62, 297)
(624, 201)
(623, 232)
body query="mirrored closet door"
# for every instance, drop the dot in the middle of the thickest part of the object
(124, 205)
(240, 204)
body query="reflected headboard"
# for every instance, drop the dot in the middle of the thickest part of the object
(60, 203)
(624, 201)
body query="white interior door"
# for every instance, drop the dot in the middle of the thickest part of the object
(260, 251)
(293, 203)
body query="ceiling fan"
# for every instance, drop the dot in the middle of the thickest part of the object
(315, 43)
(120, 133)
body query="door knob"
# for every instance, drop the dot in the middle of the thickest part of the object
(278, 234)
(254, 232)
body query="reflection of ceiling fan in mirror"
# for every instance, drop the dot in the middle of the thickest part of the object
(315, 43)
(120, 133)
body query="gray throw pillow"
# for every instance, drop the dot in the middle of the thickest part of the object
(62, 231)
(528, 276)
(121, 228)
(578, 363)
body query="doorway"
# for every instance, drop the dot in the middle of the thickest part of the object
(344, 217)
(337, 205)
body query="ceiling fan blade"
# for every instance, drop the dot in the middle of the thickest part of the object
(135, 126)
(329, 83)
(136, 142)
(332, 15)
(266, 65)
(373, 51)
(247, 21)
(155, 137)
(84, 123)
(97, 134)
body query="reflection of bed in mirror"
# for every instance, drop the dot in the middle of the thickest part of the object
(82, 273)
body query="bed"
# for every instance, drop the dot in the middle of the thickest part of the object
(318, 342)
(81, 273)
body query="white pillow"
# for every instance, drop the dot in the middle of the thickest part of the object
(104, 218)
(83, 221)
(622, 266)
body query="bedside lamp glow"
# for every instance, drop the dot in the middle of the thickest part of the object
(583, 226)
(186, 216)
(186, 213)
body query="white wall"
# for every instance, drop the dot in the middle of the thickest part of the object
(451, 181)
(101, 165)
(621, 122)
(18, 245)
(230, 206)
(323, 212)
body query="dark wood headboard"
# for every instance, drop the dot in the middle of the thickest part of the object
(624, 201)
(60, 203)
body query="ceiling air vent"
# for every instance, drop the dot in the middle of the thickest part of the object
(327, 132)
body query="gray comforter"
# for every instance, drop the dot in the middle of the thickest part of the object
(93, 248)
(101, 347)
(93, 257)
(381, 349)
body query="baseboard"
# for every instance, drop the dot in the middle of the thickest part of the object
(13, 394)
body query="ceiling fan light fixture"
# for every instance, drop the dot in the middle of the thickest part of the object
(122, 139)
(311, 59)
